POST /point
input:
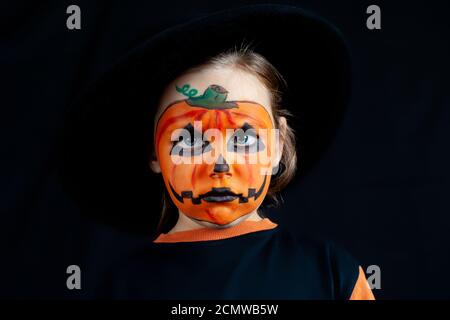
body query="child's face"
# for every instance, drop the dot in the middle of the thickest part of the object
(215, 148)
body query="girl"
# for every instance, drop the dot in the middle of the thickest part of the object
(221, 246)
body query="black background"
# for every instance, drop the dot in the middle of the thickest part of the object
(381, 191)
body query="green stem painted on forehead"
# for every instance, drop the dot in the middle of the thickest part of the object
(184, 90)
(214, 97)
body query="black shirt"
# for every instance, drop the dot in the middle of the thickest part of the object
(266, 264)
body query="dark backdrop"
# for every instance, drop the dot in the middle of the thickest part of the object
(381, 191)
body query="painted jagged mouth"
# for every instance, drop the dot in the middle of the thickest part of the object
(219, 195)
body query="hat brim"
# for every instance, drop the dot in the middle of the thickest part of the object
(109, 129)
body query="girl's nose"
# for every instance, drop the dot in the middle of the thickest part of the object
(221, 166)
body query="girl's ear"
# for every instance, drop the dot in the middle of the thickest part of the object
(282, 126)
(154, 165)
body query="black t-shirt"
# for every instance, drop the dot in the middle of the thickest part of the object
(267, 264)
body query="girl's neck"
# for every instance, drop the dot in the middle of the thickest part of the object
(184, 223)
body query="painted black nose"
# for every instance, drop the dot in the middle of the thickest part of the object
(221, 165)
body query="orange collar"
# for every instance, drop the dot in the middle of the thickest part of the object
(207, 234)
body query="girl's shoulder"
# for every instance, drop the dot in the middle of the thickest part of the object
(314, 246)
(323, 258)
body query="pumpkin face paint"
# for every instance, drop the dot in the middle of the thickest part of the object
(211, 154)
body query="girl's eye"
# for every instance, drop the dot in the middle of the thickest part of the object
(245, 140)
(189, 146)
(189, 142)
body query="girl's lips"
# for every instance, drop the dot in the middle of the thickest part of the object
(219, 198)
(219, 195)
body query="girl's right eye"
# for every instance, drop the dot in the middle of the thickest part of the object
(189, 142)
(188, 146)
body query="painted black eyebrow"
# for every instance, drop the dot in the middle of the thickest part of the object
(246, 126)
(189, 127)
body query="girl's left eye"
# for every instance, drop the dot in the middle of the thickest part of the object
(245, 140)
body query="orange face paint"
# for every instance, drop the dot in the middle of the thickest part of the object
(215, 155)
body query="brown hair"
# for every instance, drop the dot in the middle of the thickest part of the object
(246, 59)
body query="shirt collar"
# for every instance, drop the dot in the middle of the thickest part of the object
(207, 234)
